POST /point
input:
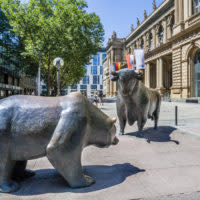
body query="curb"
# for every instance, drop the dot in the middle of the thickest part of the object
(188, 132)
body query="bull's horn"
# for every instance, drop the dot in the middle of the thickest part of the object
(113, 73)
(113, 120)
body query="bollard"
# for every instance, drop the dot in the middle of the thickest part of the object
(176, 115)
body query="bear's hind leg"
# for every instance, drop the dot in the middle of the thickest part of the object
(6, 167)
(6, 184)
(20, 173)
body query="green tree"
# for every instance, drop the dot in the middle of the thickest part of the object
(56, 28)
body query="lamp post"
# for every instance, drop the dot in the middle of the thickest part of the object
(39, 74)
(58, 63)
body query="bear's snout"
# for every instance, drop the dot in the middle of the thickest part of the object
(115, 141)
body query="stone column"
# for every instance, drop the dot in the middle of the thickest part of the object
(165, 31)
(154, 37)
(147, 75)
(157, 36)
(169, 32)
(176, 2)
(189, 8)
(181, 12)
(145, 43)
(159, 74)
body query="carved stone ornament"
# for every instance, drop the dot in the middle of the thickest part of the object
(138, 21)
(145, 14)
(154, 5)
(132, 28)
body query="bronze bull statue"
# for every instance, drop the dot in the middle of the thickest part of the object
(57, 127)
(135, 102)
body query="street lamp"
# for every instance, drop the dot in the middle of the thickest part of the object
(58, 63)
(39, 74)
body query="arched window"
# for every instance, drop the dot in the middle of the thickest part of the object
(196, 6)
(142, 44)
(197, 74)
(172, 25)
(150, 41)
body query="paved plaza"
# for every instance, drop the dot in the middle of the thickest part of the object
(161, 165)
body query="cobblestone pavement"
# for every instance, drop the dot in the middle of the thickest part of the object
(161, 165)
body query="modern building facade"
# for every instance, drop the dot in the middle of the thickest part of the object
(170, 36)
(12, 80)
(93, 80)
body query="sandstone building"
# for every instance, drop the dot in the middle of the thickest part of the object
(170, 36)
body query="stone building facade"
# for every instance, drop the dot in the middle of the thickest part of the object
(170, 36)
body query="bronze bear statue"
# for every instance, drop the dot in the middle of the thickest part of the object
(57, 127)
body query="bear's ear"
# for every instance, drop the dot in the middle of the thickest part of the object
(113, 120)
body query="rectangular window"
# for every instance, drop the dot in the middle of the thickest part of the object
(93, 69)
(101, 87)
(74, 87)
(86, 80)
(103, 56)
(83, 87)
(101, 69)
(93, 87)
(96, 60)
(95, 79)
(196, 6)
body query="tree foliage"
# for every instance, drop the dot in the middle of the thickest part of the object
(56, 28)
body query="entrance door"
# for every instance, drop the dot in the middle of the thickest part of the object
(197, 74)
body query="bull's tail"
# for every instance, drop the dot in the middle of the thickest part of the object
(157, 111)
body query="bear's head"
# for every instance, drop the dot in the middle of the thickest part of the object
(101, 129)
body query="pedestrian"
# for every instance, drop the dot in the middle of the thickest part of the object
(33, 93)
(96, 99)
(85, 95)
(101, 97)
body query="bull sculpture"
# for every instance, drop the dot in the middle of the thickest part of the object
(135, 102)
(57, 127)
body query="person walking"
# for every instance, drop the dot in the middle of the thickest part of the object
(101, 97)
(85, 95)
(96, 99)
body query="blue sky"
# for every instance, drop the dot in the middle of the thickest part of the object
(118, 15)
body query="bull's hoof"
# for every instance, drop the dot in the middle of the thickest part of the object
(85, 182)
(121, 133)
(25, 175)
(155, 128)
(9, 187)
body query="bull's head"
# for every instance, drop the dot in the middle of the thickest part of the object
(127, 81)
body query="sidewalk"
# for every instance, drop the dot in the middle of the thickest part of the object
(160, 165)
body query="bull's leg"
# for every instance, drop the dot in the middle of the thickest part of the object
(20, 173)
(121, 113)
(122, 123)
(157, 112)
(141, 122)
(156, 116)
(6, 167)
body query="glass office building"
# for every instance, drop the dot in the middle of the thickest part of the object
(12, 81)
(93, 80)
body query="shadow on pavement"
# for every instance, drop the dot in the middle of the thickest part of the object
(162, 134)
(49, 181)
